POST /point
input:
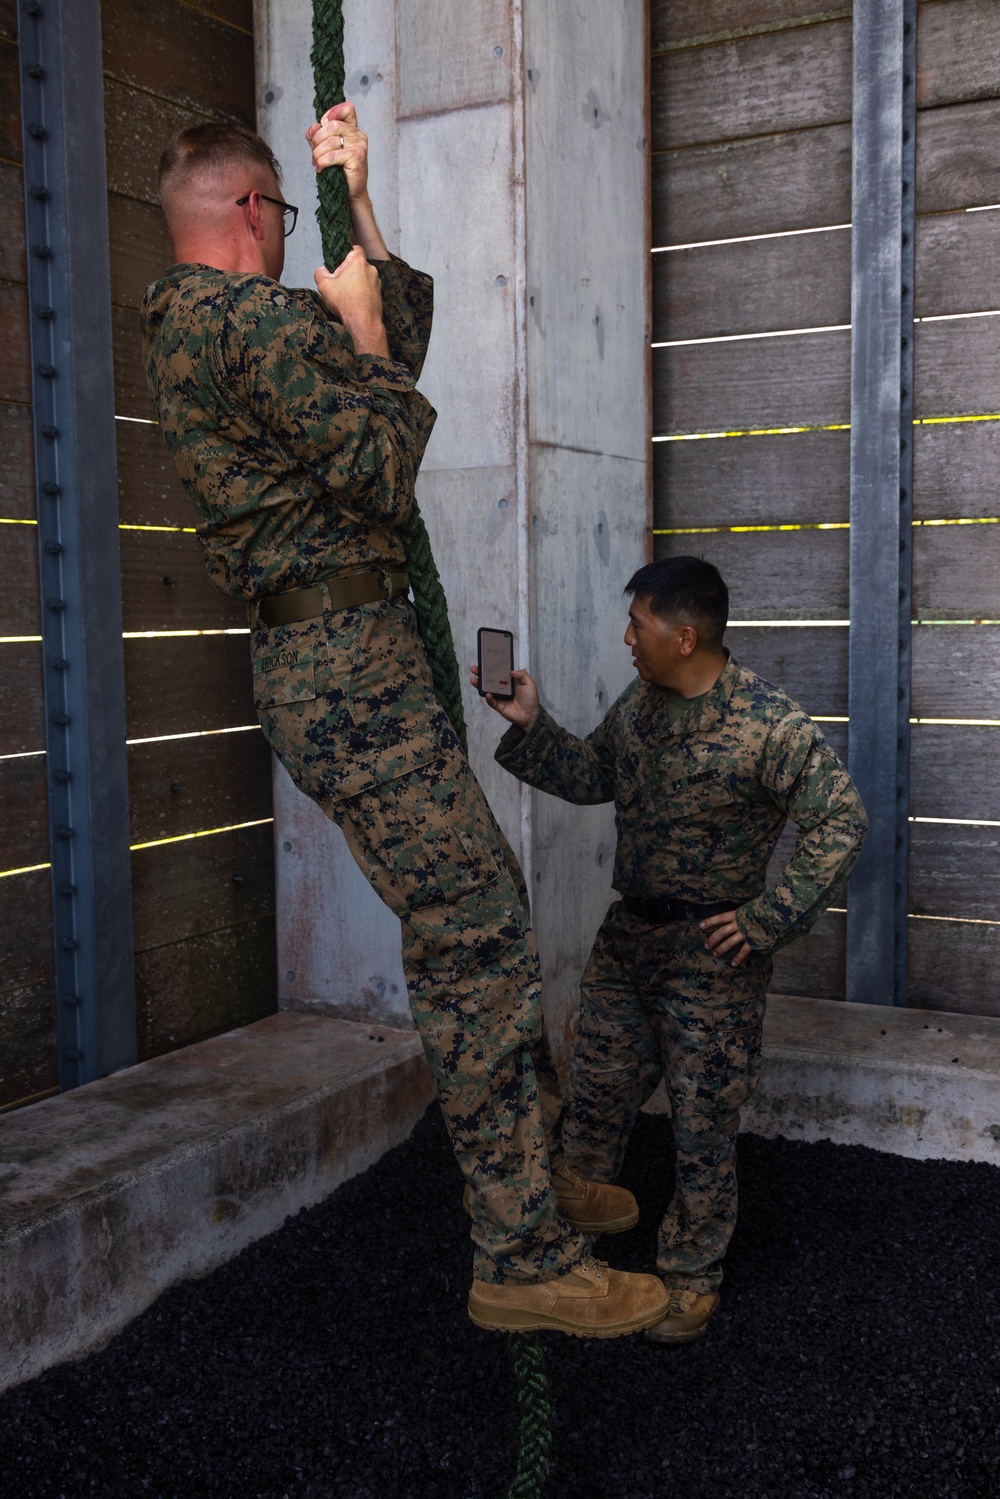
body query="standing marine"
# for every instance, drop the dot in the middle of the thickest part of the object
(704, 761)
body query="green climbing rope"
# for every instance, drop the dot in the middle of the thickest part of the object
(327, 58)
(528, 1356)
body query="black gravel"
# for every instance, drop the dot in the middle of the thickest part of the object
(855, 1354)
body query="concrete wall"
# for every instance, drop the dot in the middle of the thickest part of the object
(509, 159)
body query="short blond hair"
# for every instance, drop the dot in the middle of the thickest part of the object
(214, 146)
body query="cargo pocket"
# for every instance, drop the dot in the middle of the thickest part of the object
(285, 660)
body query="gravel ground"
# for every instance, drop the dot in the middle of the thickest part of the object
(854, 1355)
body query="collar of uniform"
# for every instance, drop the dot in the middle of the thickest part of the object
(652, 704)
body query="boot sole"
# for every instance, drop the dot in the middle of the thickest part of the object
(675, 1338)
(518, 1320)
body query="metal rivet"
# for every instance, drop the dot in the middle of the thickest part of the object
(68, 944)
(67, 889)
(44, 312)
(47, 371)
(50, 431)
(58, 663)
(43, 252)
(289, 976)
(36, 70)
(38, 132)
(53, 548)
(501, 281)
(64, 831)
(63, 777)
(51, 488)
(40, 194)
(62, 719)
(498, 52)
(72, 1054)
(72, 1000)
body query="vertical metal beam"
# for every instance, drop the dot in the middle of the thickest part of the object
(66, 216)
(884, 123)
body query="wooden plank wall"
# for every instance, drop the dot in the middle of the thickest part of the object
(28, 1064)
(203, 906)
(752, 138)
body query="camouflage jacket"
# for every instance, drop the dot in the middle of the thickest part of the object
(699, 806)
(299, 454)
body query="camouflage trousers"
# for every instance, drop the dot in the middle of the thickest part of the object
(348, 705)
(655, 1003)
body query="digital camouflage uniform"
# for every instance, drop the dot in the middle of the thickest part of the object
(699, 806)
(300, 458)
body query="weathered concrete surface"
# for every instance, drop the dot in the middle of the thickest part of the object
(916, 1083)
(113, 1192)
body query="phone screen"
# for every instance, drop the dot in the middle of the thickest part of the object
(496, 662)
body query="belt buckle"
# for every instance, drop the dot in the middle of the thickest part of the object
(385, 578)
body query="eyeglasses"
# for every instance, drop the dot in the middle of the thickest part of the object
(286, 210)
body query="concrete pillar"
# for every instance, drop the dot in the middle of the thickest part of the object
(509, 160)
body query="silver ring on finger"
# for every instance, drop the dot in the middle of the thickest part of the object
(342, 143)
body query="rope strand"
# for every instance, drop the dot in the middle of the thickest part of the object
(528, 1357)
(334, 218)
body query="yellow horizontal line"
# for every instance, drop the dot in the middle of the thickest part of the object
(918, 421)
(178, 634)
(10, 521)
(156, 843)
(815, 525)
(134, 526)
(20, 639)
(204, 833)
(241, 728)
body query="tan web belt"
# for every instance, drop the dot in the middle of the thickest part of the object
(343, 593)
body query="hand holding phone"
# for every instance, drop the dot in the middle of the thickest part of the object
(496, 664)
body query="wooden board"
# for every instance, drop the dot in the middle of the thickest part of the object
(17, 471)
(775, 574)
(150, 492)
(28, 1059)
(956, 671)
(676, 23)
(957, 368)
(15, 356)
(954, 966)
(753, 481)
(956, 572)
(183, 890)
(24, 815)
(434, 79)
(19, 601)
(132, 398)
(762, 383)
(768, 186)
(809, 663)
(26, 956)
(174, 686)
(957, 162)
(10, 103)
(954, 469)
(953, 771)
(184, 785)
(165, 585)
(8, 19)
(137, 127)
(958, 56)
(187, 991)
(210, 70)
(955, 871)
(759, 85)
(803, 281)
(813, 965)
(140, 248)
(958, 263)
(22, 725)
(13, 266)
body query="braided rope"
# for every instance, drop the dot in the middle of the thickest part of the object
(334, 218)
(528, 1357)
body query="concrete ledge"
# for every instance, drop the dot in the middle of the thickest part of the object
(916, 1083)
(115, 1191)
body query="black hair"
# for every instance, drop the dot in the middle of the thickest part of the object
(685, 588)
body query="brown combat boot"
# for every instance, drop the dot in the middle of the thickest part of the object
(687, 1316)
(589, 1301)
(589, 1207)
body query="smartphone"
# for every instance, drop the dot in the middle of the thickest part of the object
(496, 662)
